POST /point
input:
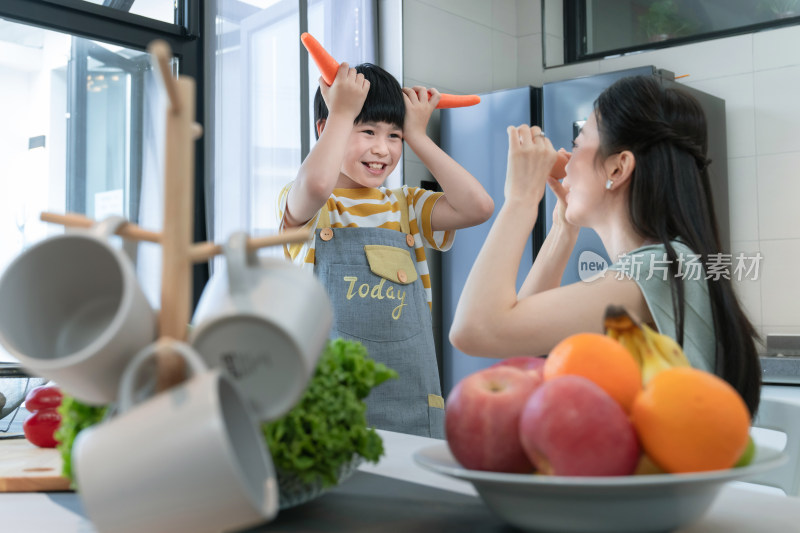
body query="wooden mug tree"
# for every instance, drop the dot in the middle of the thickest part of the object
(178, 251)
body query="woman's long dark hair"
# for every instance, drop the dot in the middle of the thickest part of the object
(670, 198)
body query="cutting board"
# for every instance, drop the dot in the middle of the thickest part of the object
(28, 468)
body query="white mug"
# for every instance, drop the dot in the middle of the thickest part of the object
(264, 321)
(72, 311)
(192, 458)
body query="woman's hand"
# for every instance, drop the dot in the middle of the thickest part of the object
(347, 94)
(419, 106)
(559, 211)
(530, 158)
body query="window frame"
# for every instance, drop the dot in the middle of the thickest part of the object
(102, 23)
(575, 24)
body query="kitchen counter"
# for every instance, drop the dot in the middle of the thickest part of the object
(783, 392)
(397, 496)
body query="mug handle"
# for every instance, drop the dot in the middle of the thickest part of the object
(107, 227)
(195, 362)
(238, 259)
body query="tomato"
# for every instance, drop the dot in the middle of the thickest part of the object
(40, 427)
(44, 420)
(45, 397)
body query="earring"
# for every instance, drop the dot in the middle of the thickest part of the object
(609, 184)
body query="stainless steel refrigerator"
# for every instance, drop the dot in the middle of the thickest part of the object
(476, 137)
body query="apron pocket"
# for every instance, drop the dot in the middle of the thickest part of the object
(393, 264)
(371, 307)
(436, 416)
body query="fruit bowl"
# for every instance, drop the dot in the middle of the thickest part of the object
(640, 504)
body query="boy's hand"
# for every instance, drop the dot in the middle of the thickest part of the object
(419, 107)
(347, 94)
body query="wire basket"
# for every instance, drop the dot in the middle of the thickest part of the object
(13, 389)
(294, 491)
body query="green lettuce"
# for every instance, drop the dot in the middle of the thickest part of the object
(75, 417)
(329, 425)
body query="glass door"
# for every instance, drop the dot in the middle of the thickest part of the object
(104, 129)
(79, 132)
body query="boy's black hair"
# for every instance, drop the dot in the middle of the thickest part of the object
(384, 101)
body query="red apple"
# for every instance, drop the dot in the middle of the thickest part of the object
(482, 419)
(525, 362)
(572, 427)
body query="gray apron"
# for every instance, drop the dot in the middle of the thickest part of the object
(379, 300)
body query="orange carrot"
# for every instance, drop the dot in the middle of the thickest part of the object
(558, 171)
(457, 100)
(325, 62)
(328, 66)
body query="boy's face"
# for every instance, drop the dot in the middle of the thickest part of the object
(372, 153)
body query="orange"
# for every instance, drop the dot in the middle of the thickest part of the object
(600, 359)
(689, 420)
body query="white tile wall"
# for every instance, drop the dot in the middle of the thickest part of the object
(779, 282)
(529, 17)
(479, 11)
(743, 198)
(747, 282)
(504, 16)
(504, 60)
(529, 60)
(778, 195)
(737, 91)
(779, 330)
(776, 48)
(778, 110)
(459, 57)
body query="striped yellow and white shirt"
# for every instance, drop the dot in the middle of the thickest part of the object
(377, 208)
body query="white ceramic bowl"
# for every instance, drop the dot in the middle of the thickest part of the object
(636, 504)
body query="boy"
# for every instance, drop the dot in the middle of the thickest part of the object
(368, 243)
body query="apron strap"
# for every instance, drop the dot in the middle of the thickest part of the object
(403, 203)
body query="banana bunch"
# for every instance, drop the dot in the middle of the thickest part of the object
(653, 351)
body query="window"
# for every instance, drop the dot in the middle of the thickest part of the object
(599, 28)
(76, 117)
(82, 127)
(263, 93)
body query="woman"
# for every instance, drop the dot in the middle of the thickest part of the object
(638, 176)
